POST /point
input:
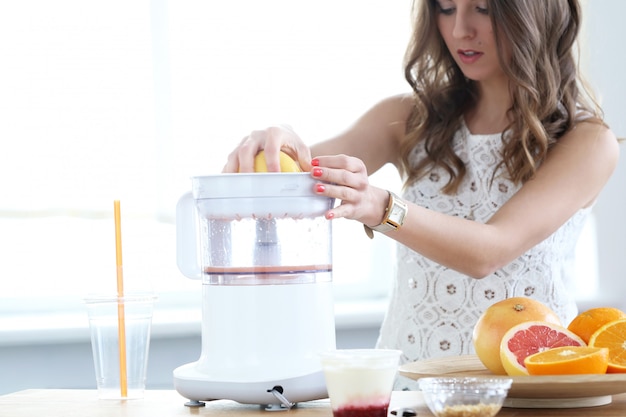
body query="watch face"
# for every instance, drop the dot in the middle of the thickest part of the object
(396, 211)
(394, 217)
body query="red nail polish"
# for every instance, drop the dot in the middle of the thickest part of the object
(320, 188)
(317, 172)
(330, 215)
(315, 162)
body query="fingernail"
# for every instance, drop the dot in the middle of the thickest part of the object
(320, 188)
(317, 172)
(330, 215)
(315, 162)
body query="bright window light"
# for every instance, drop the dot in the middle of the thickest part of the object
(128, 100)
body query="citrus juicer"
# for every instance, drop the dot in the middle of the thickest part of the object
(262, 247)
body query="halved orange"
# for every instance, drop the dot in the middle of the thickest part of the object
(568, 360)
(287, 163)
(530, 337)
(586, 323)
(612, 336)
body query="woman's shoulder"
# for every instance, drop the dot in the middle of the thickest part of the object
(591, 132)
(401, 104)
(593, 141)
(390, 114)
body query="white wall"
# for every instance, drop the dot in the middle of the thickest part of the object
(603, 55)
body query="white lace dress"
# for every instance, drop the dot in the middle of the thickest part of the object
(432, 308)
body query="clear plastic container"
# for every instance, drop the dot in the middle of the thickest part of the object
(255, 229)
(464, 396)
(360, 381)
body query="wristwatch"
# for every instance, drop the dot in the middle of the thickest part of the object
(395, 213)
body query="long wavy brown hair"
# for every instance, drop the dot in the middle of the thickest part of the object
(548, 95)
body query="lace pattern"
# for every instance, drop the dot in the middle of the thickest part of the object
(432, 308)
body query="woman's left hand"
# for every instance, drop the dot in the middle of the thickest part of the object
(346, 179)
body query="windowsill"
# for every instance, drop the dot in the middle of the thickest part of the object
(72, 327)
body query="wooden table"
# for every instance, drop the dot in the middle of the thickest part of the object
(85, 403)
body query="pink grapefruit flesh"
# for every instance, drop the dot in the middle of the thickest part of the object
(530, 337)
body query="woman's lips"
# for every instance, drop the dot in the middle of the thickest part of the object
(468, 56)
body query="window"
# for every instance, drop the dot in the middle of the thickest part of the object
(127, 100)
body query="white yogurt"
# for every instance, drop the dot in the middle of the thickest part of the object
(360, 377)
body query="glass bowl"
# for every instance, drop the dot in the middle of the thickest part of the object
(464, 396)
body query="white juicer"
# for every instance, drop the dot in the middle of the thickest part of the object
(262, 248)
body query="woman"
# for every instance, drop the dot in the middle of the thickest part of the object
(502, 158)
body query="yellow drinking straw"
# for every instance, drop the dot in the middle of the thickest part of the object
(121, 326)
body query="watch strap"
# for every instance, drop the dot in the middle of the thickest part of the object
(387, 224)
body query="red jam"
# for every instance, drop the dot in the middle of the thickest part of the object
(362, 411)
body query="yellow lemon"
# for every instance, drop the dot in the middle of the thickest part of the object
(286, 163)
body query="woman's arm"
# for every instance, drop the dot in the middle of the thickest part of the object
(374, 138)
(571, 178)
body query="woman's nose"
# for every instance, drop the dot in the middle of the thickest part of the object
(463, 27)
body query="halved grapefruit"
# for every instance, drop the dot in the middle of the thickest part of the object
(500, 317)
(530, 337)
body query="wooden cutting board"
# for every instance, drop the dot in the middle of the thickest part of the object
(555, 391)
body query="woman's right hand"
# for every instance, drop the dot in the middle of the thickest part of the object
(273, 140)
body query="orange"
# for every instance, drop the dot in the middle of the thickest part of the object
(586, 323)
(500, 317)
(612, 336)
(287, 164)
(568, 360)
(528, 338)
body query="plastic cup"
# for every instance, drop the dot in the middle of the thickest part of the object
(105, 315)
(360, 381)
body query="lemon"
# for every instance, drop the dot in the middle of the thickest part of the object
(287, 164)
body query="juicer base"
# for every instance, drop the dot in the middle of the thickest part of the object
(196, 386)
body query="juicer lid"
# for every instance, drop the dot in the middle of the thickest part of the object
(254, 185)
(259, 195)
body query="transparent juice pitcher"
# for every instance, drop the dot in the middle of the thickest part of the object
(253, 229)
